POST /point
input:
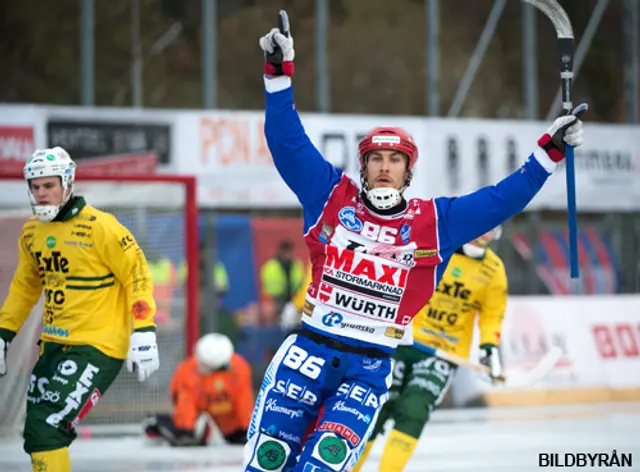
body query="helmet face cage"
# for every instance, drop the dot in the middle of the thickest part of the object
(477, 247)
(496, 234)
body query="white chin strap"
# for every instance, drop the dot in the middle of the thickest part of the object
(473, 251)
(46, 213)
(384, 198)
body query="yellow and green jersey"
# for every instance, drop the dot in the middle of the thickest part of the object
(469, 287)
(96, 281)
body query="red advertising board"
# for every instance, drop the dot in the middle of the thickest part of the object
(16, 145)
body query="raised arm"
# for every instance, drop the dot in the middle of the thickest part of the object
(463, 219)
(300, 164)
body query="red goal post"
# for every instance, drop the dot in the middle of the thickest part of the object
(161, 212)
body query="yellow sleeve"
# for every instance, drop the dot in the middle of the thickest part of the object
(124, 257)
(24, 292)
(299, 297)
(493, 307)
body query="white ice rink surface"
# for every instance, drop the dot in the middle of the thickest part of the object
(474, 440)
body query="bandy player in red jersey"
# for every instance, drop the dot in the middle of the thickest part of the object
(376, 260)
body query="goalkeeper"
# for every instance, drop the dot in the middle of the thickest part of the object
(98, 307)
(212, 385)
(475, 282)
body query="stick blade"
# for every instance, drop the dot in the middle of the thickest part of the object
(519, 380)
(558, 16)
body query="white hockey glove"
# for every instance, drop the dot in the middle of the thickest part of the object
(277, 45)
(143, 354)
(490, 356)
(4, 346)
(565, 129)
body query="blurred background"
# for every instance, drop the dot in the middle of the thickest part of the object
(143, 93)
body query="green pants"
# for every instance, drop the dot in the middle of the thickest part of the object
(420, 382)
(66, 382)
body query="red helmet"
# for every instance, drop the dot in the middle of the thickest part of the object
(395, 139)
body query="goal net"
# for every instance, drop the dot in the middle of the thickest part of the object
(161, 213)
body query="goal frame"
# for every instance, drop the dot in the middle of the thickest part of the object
(191, 240)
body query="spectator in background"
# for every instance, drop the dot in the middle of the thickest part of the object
(220, 280)
(165, 280)
(219, 277)
(282, 276)
(292, 311)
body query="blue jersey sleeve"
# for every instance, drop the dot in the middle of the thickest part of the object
(463, 219)
(300, 164)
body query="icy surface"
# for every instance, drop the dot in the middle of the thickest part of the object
(476, 440)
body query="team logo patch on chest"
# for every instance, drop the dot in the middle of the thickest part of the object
(349, 220)
(405, 233)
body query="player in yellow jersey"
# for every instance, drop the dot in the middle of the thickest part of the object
(98, 307)
(474, 284)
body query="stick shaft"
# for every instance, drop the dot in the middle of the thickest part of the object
(566, 47)
(454, 359)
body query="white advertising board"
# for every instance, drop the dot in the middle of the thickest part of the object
(228, 153)
(599, 336)
(230, 156)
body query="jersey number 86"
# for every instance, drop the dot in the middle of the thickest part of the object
(300, 360)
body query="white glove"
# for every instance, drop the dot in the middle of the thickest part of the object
(278, 54)
(275, 38)
(143, 354)
(490, 356)
(4, 346)
(566, 129)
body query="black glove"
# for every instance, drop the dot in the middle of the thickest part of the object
(162, 426)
